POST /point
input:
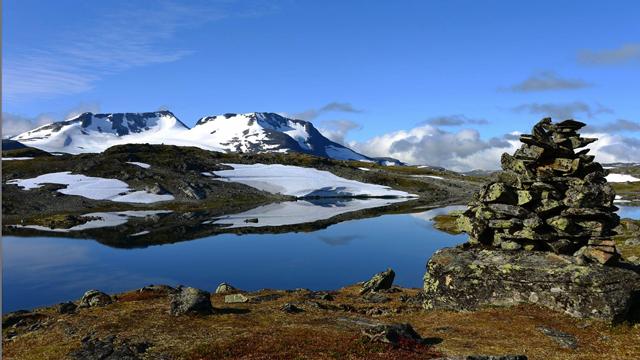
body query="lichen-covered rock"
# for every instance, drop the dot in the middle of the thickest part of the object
(465, 279)
(549, 197)
(188, 300)
(380, 281)
(93, 298)
(236, 298)
(225, 288)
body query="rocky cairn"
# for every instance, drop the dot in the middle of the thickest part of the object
(550, 197)
(540, 234)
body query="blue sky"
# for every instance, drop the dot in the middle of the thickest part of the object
(374, 67)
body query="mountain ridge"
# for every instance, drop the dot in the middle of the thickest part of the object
(245, 133)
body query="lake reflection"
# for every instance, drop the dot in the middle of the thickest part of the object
(45, 270)
(41, 271)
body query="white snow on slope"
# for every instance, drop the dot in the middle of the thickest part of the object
(107, 219)
(16, 158)
(141, 164)
(250, 132)
(91, 187)
(621, 178)
(428, 176)
(99, 134)
(297, 212)
(302, 182)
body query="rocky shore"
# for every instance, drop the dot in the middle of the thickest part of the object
(370, 320)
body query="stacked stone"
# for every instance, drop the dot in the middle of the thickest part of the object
(549, 197)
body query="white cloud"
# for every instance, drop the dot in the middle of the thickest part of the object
(461, 151)
(626, 53)
(547, 80)
(13, 124)
(575, 109)
(337, 130)
(72, 61)
(334, 106)
(465, 150)
(612, 148)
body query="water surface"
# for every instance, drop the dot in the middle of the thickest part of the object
(46, 270)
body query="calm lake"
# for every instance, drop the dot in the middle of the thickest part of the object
(41, 271)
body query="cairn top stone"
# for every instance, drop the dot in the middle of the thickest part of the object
(549, 197)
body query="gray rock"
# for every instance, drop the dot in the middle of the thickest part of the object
(466, 279)
(375, 298)
(565, 340)
(632, 242)
(225, 288)
(236, 298)
(291, 308)
(393, 334)
(67, 308)
(108, 349)
(93, 298)
(188, 300)
(380, 281)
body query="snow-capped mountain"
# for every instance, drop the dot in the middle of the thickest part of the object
(90, 132)
(251, 133)
(268, 132)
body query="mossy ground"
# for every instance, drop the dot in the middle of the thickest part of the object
(262, 331)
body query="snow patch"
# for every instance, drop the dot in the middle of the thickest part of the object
(621, 178)
(141, 164)
(94, 188)
(303, 182)
(16, 158)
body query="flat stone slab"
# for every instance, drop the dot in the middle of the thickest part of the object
(466, 279)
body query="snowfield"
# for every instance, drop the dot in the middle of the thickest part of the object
(16, 158)
(297, 212)
(94, 188)
(303, 182)
(250, 132)
(621, 178)
(96, 132)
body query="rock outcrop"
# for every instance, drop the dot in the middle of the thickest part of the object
(549, 198)
(541, 234)
(466, 279)
(380, 281)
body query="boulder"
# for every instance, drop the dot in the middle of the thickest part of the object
(291, 308)
(380, 281)
(235, 299)
(464, 279)
(188, 300)
(225, 288)
(394, 334)
(93, 298)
